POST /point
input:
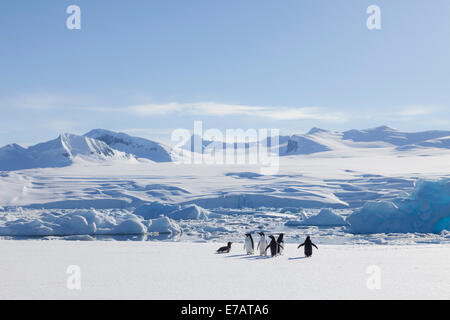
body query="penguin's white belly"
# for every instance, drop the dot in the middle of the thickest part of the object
(262, 246)
(248, 246)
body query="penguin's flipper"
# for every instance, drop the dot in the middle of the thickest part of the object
(301, 245)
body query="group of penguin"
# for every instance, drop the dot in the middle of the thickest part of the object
(276, 245)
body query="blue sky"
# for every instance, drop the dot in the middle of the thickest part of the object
(147, 67)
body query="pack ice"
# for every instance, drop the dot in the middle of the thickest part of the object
(81, 222)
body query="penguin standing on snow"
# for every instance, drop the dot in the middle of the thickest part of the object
(225, 249)
(273, 245)
(308, 246)
(249, 246)
(262, 244)
(280, 242)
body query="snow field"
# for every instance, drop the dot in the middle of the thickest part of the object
(162, 270)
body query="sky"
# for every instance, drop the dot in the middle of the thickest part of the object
(147, 67)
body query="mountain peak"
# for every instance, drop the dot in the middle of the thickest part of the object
(59, 152)
(140, 147)
(13, 146)
(316, 130)
(383, 128)
(100, 131)
(67, 135)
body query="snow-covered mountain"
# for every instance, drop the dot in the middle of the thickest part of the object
(190, 144)
(393, 136)
(100, 144)
(139, 147)
(59, 152)
(302, 144)
(443, 142)
(319, 140)
(14, 157)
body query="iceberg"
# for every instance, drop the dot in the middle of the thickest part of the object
(325, 217)
(130, 226)
(189, 212)
(155, 210)
(163, 225)
(425, 210)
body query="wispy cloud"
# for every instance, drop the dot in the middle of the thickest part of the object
(398, 113)
(414, 111)
(222, 109)
(79, 103)
(278, 113)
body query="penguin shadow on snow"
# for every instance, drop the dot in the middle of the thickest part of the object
(255, 257)
(297, 258)
(237, 256)
(247, 257)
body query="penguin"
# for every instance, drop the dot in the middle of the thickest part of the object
(262, 244)
(248, 244)
(280, 242)
(273, 245)
(225, 249)
(308, 246)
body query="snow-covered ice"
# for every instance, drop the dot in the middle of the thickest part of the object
(161, 270)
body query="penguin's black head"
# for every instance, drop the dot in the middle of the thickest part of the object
(229, 244)
(307, 238)
(271, 237)
(261, 233)
(247, 234)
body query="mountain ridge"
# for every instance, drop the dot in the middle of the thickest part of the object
(140, 147)
(102, 144)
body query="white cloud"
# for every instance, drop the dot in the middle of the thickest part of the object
(221, 109)
(59, 102)
(414, 111)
